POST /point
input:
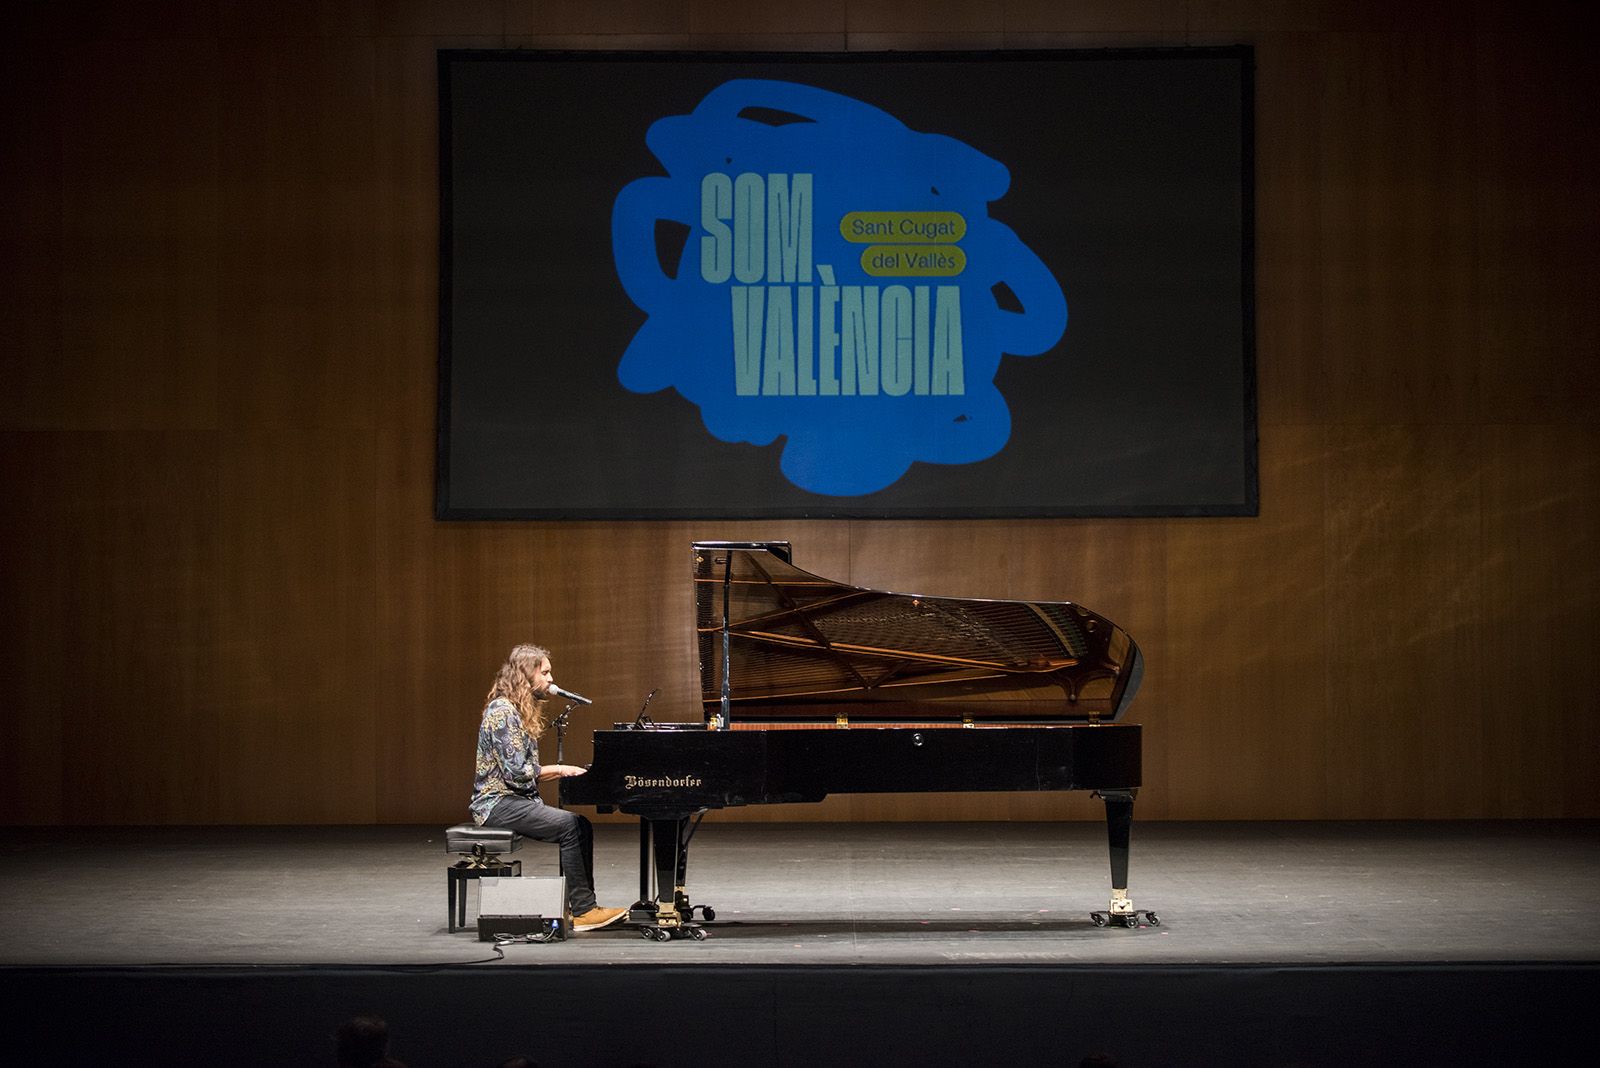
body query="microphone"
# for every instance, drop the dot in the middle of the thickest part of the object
(569, 695)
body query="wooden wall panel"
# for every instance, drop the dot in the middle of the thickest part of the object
(218, 346)
(111, 20)
(297, 673)
(430, 654)
(1381, 180)
(436, 21)
(1406, 622)
(30, 238)
(1135, 16)
(37, 643)
(1322, 17)
(138, 524)
(1294, 354)
(406, 240)
(112, 711)
(138, 259)
(738, 19)
(1247, 665)
(299, 18)
(867, 17)
(664, 18)
(298, 175)
(1539, 674)
(1537, 238)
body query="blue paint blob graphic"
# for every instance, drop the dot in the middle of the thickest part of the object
(752, 136)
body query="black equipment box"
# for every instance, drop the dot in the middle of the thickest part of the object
(520, 906)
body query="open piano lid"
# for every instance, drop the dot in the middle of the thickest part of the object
(779, 645)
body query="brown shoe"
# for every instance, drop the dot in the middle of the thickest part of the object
(597, 918)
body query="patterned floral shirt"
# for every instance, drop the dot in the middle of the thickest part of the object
(508, 760)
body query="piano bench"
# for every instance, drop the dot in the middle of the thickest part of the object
(480, 850)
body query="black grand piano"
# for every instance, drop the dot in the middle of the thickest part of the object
(811, 687)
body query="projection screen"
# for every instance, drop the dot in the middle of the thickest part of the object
(709, 286)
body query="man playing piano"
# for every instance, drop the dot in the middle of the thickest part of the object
(505, 783)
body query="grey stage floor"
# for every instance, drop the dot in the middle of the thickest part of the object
(827, 894)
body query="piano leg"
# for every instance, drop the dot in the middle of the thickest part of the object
(1119, 829)
(645, 906)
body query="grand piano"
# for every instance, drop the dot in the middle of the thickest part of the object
(812, 687)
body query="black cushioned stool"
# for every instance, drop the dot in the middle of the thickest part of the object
(480, 849)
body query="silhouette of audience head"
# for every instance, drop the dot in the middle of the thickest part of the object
(363, 1042)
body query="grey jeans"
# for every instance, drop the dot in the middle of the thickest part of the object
(572, 832)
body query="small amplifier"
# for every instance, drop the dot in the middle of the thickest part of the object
(518, 906)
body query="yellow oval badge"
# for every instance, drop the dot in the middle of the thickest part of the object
(913, 261)
(903, 227)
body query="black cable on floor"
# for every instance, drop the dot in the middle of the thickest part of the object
(503, 939)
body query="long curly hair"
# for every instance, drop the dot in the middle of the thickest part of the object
(514, 682)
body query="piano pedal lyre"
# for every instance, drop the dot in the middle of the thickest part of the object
(663, 851)
(1123, 914)
(675, 919)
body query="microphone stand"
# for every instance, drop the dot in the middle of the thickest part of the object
(642, 720)
(561, 742)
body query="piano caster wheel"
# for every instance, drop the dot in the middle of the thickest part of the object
(709, 913)
(1152, 919)
(667, 934)
(1099, 918)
